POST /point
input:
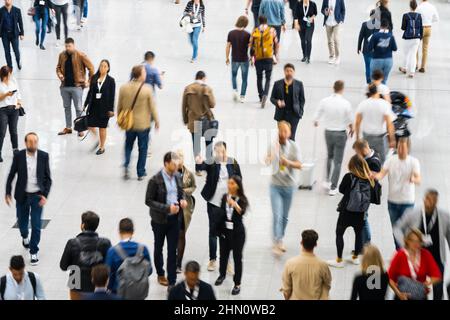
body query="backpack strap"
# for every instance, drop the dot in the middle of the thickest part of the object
(120, 251)
(32, 277)
(140, 250)
(2, 287)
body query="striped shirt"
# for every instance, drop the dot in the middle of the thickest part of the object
(193, 8)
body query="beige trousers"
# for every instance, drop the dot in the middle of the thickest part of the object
(425, 44)
(333, 40)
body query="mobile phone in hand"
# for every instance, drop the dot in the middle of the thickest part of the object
(14, 91)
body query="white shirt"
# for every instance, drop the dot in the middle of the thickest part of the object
(32, 182)
(60, 2)
(23, 290)
(401, 190)
(336, 112)
(331, 20)
(373, 112)
(222, 186)
(11, 86)
(428, 12)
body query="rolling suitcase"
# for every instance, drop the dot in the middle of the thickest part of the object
(306, 178)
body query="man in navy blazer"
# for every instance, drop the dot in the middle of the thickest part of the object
(334, 16)
(11, 29)
(32, 188)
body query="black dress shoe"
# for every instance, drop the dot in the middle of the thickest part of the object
(236, 290)
(42, 47)
(1, 159)
(304, 59)
(219, 281)
(100, 151)
(19, 66)
(308, 61)
(37, 42)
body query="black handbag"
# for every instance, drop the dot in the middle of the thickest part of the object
(21, 112)
(80, 124)
(375, 194)
(208, 124)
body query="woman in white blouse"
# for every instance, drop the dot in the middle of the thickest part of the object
(10, 103)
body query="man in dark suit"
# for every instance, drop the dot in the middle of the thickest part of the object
(165, 197)
(100, 276)
(192, 288)
(32, 188)
(288, 97)
(11, 29)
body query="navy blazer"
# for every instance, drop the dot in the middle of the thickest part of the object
(339, 11)
(213, 173)
(17, 21)
(278, 93)
(19, 167)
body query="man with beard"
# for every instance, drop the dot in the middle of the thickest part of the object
(32, 188)
(288, 96)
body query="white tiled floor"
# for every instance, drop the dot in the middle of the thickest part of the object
(122, 31)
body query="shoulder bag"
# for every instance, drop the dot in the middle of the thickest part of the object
(209, 124)
(125, 117)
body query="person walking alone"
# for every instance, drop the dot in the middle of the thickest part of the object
(33, 185)
(71, 71)
(42, 13)
(305, 13)
(100, 103)
(334, 16)
(336, 112)
(196, 10)
(11, 30)
(61, 8)
(288, 97)
(238, 43)
(136, 97)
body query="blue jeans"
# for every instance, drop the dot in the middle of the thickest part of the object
(85, 9)
(367, 61)
(142, 137)
(30, 208)
(244, 73)
(41, 14)
(193, 37)
(366, 233)
(281, 199)
(384, 65)
(396, 211)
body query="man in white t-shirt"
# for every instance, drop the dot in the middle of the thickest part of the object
(403, 173)
(373, 119)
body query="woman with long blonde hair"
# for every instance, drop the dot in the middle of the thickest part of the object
(356, 187)
(372, 282)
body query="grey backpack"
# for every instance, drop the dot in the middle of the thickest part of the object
(360, 195)
(132, 275)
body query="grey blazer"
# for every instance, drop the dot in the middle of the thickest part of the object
(413, 219)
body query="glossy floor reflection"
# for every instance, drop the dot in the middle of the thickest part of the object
(122, 31)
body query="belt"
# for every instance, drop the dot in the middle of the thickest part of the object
(375, 135)
(33, 193)
(8, 107)
(426, 26)
(337, 131)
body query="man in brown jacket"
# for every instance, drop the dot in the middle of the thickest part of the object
(144, 112)
(198, 100)
(71, 70)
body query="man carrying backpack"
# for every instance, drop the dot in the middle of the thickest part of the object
(82, 253)
(412, 25)
(19, 284)
(130, 265)
(264, 50)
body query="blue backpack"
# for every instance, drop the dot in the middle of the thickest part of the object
(413, 30)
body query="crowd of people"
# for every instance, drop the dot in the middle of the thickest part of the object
(98, 270)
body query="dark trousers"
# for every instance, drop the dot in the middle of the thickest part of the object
(293, 121)
(9, 116)
(233, 240)
(142, 137)
(30, 208)
(213, 217)
(263, 68)
(278, 31)
(170, 231)
(9, 40)
(61, 10)
(255, 17)
(306, 35)
(345, 220)
(196, 145)
(438, 289)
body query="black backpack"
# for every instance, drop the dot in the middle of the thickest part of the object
(89, 255)
(360, 195)
(3, 285)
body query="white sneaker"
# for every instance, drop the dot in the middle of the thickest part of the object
(332, 60)
(337, 61)
(235, 96)
(242, 99)
(355, 261)
(212, 265)
(333, 192)
(334, 263)
(34, 261)
(58, 44)
(230, 270)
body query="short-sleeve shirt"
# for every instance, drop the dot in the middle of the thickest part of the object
(373, 112)
(283, 176)
(401, 190)
(239, 40)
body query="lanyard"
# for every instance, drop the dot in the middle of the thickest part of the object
(430, 226)
(412, 265)
(100, 84)
(305, 12)
(188, 294)
(196, 11)
(230, 210)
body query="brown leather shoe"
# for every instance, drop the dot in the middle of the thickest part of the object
(422, 70)
(162, 280)
(65, 131)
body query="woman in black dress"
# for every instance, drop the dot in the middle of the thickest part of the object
(100, 103)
